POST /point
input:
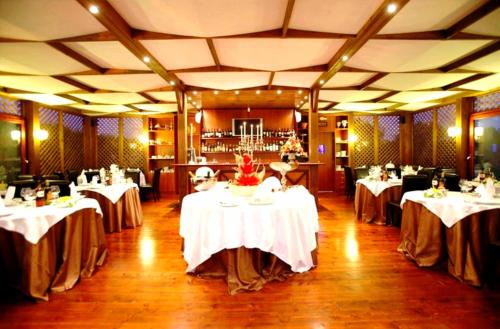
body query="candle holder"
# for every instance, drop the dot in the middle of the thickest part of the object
(249, 144)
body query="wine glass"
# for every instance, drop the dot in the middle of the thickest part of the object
(28, 194)
(55, 190)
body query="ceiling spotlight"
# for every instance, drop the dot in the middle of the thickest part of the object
(237, 92)
(189, 98)
(94, 9)
(345, 58)
(305, 97)
(248, 109)
(172, 83)
(391, 9)
(321, 82)
(194, 103)
(198, 107)
(216, 92)
(300, 92)
(301, 102)
(195, 92)
(279, 91)
(146, 59)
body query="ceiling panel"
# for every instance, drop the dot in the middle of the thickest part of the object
(163, 108)
(47, 99)
(202, 18)
(37, 20)
(36, 58)
(362, 106)
(420, 96)
(122, 82)
(490, 63)
(225, 80)
(411, 55)
(108, 54)
(348, 79)
(439, 15)
(286, 53)
(100, 109)
(488, 83)
(416, 81)
(37, 84)
(110, 98)
(488, 25)
(295, 79)
(180, 54)
(350, 95)
(416, 106)
(321, 105)
(167, 96)
(350, 15)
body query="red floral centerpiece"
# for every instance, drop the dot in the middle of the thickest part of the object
(247, 175)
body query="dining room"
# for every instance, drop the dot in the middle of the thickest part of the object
(249, 164)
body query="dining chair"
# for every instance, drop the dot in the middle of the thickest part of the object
(451, 182)
(144, 190)
(430, 172)
(50, 177)
(395, 170)
(156, 184)
(393, 210)
(25, 177)
(20, 184)
(59, 174)
(360, 173)
(349, 184)
(90, 174)
(63, 185)
(73, 175)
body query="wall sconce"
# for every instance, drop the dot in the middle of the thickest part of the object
(454, 131)
(197, 117)
(353, 138)
(143, 138)
(478, 131)
(41, 134)
(15, 135)
(298, 116)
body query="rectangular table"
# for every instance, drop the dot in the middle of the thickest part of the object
(49, 249)
(249, 243)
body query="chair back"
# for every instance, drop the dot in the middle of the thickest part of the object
(448, 171)
(348, 180)
(395, 170)
(430, 172)
(90, 174)
(19, 184)
(25, 177)
(156, 181)
(50, 177)
(59, 174)
(360, 173)
(414, 183)
(73, 175)
(63, 185)
(451, 182)
(135, 175)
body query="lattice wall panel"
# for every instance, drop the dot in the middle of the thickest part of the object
(389, 144)
(487, 102)
(446, 145)
(10, 106)
(363, 151)
(50, 155)
(422, 138)
(73, 141)
(133, 153)
(107, 142)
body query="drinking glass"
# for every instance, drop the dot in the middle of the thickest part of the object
(55, 190)
(29, 195)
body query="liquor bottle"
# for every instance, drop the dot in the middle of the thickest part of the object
(40, 196)
(435, 182)
(47, 192)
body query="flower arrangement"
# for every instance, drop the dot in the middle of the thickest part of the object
(292, 145)
(247, 173)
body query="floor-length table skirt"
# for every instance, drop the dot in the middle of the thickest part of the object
(125, 213)
(70, 250)
(428, 242)
(370, 208)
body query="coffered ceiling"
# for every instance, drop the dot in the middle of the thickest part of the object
(133, 56)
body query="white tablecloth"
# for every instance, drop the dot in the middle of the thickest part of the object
(377, 187)
(454, 207)
(286, 228)
(112, 192)
(33, 223)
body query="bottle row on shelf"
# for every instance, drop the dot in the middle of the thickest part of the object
(219, 133)
(223, 147)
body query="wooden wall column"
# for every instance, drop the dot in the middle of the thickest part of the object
(89, 142)
(181, 145)
(30, 110)
(313, 140)
(435, 128)
(376, 140)
(120, 141)
(406, 138)
(464, 107)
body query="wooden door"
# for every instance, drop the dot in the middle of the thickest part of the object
(326, 171)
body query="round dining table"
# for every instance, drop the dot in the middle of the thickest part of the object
(371, 197)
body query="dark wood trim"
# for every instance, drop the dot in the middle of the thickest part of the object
(74, 83)
(373, 79)
(286, 19)
(76, 56)
(476, 116)
(471, 18)
(149, 98)
(270, 82)
(488, 49)
(22, 143)
(100, 36)
(386, 95)
(466, 80)
(213, 52)
(432, 35)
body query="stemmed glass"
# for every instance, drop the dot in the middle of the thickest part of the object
(464, 186)
(55, 190)
(28, 194)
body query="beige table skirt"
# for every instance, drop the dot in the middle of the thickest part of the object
(245, 269)
(370, 208)
(125, 213)
(70, 250)
(428, 242)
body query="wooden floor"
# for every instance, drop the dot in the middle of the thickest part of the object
(361, 282)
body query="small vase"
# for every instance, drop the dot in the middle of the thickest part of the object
(291, 157)
(284, 158)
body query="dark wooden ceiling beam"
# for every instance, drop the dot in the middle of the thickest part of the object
(286, 19)
(387, 95)
(373, 79)
(488, 49)
(112, 21)
(73, 98)
(211, 46)
(270, 82)
(76, 56)
(101, 36)
(74, 83)
(374, 24)
(329, 106)
(471, 18)
(466, 80)
(149, 98)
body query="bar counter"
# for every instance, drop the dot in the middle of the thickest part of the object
(305, 174)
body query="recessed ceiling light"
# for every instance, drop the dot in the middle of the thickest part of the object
(195, 92)
(172, 83)
(321, 82)
(146, 59)
(257, 92)
(279, 91)
(94, 9)
(345, 58)
(301, 102)
(391, 8)
(300, 92)
(305, 97)
(198, 107)
(216, 92)
(194, 103)
(189, 98)
(237, 92)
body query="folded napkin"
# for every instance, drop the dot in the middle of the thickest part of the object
(82, 179)
(487, 190)
(390, 165)
(72, 190)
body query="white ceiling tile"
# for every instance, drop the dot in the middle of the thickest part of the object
(350, 95)
(348, 79)
(36, 58)
(411, 55)
(180, 54)
(362, 106)
(37, 84)
(108, 54)
(276, 54)
(42, 20)
(167, 96)
(110, 98)
(100, 109)
(488, 83)
(340, 16)
(439, 15)
(295, 79)
(416, 81)
(47, 99)
(122, 82)
(489, 63)
(488, 25)
(420, 96)
(225, 80)
(202, 18)
(416, 106)
(164, 108)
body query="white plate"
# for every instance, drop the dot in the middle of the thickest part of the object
(6, 212)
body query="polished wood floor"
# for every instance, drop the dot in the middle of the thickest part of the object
(361, 282)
